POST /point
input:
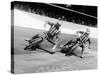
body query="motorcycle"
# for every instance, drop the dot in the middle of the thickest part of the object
(34, 42)
(71, 45)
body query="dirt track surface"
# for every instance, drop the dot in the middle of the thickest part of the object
(40, 61)
(44, 62)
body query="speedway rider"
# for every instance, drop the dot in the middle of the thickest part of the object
(83, 37)
(80, 33)
(52, 35)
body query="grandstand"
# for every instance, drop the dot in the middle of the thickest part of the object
(58, 10)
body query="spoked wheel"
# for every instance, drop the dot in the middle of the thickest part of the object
(26, 48)
(30, 48)
(34, 44)
(63, 51)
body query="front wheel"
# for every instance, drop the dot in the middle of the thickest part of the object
(30, 48)
(27, 47)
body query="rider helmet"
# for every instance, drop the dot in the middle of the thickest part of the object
(88, 30)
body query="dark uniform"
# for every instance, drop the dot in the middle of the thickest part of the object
(84, 38)
(78, 42)
(52, 34)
